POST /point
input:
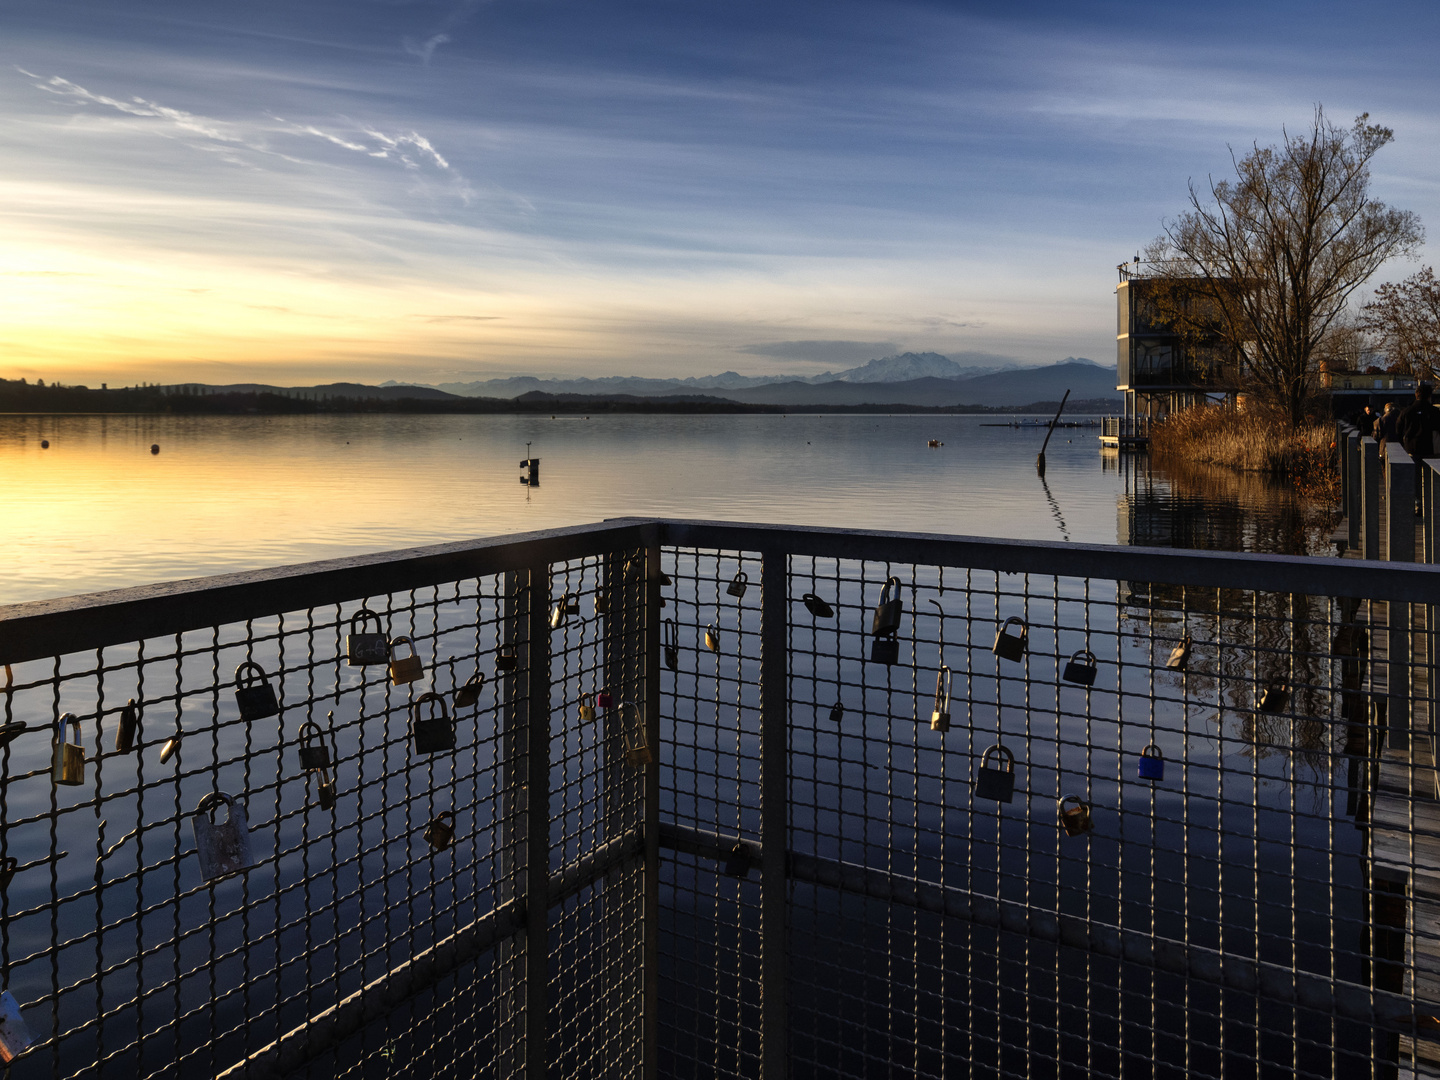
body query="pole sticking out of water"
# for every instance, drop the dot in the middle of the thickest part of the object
(1040, 461)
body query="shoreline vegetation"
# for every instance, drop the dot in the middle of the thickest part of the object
(21, 397)
(1253, 440)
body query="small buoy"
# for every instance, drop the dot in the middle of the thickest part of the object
(155, 448)
(44, 444)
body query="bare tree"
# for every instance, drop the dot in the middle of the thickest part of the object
(1405, 320)
(1274, 255)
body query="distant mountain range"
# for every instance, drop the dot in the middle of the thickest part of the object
(873, 382)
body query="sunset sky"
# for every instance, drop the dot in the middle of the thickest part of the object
(375, 189)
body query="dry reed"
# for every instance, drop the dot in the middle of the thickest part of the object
(1252, 440)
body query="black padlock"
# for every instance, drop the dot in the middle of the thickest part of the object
(253, 693)
(314, 754)
(1275, 699)
(997, 784)
(837, 713)
(469, 694)
(432, 733)
(737, 865)
(1011, 645)
(506, 661)
(9, 732)
(738, 585)
(440, 833)
(126, 728)
(885, 650)
(366, 646)
(1081, 668)
(887, 611)
(327, 792)
(817, 607)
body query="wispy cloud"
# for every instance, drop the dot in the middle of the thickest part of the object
(822, 351)
(424, 49)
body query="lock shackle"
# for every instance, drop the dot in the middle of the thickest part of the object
(212, 801)
(1003, 751)
(885, 589)
(477, 680)
(586, 699)
(944, 678)
(311, 733)
(434, 699)
(1080, 804)
(818, 607)
(249, 673)
(74, 722)
(447, 814)
(741, 577)
(397, 641)
(1013, 619)
(1085, 654)
(362, 617)
(670, 632)
(1152, 751)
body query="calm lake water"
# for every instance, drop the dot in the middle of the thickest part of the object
(96, 510)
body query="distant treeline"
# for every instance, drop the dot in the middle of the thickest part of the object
(19, 396)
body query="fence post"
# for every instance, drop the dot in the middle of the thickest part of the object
(774, 816)
(1370, 497)
(1342, 447)
(1399, 547)
(1352, 490)
(1430, 482)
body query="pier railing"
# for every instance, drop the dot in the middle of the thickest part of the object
(700, 819)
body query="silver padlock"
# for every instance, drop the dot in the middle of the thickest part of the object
(887, 612)
(1180, 655)
(68, 760)
(404, 669)
(15, 1037)
(223, 846)
(126, 728)
(637, 743)
(738, 585)
(940, 716)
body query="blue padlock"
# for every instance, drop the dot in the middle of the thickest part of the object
(1151, 765)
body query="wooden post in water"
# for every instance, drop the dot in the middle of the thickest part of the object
(1040, 461)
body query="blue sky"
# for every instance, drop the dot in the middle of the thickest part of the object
(431, 191)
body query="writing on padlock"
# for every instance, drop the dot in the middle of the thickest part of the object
(940, 716)
(1151, 765)
(671, 646)
(469, 694)
(1081, 668)
(254, 695)
(712, 638)
(738, 584)
(587, 710)
(885, 650)
(126, 728)
(430, 724)
(1011, 644)
(405, 668)
(366, 646)
(637, 741)
(1075, 816)
(837, 712)
(15, 1037)
(1275, 698)
(819, 608)
(1180, 655)
(440, 833)
(996, 782)
(886, 621)
(223, 846)
(68, 758)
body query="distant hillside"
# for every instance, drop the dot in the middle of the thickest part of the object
(1004, 388)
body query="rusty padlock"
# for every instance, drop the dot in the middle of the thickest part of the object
(940, 715)
(738, 584)
(440, 833)
(404, 669)
(637, 743)
(1008, 645)
(1076, 819)
(254, 695)
(432, 733)
(68, 759)
(223, 846)
(126, 728)
(469, 694)
(366, 646)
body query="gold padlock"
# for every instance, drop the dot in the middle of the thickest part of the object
(68, 764)
(587, 710)
(404, 669)
(712, 638)
(940, 716)
(1075, 819)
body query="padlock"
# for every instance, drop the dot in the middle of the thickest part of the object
(8, 866)
(1075, 819)
(432, 733)
(997, 784)
(819, 608)
(940, 716)
(637, 743)
(15, 1037)
(671, 647)
(712, 638)
(469, 694)
(738, 584)
(1151, 765)
(887, 612)
(837, 713)
(172, 744)
(566, 606)
(1275, 699)
(737, 865)
(1008, 645)
(603, 699)
(223, 847)
(366, 646)
(9, 732)
(602, 604)
(587, 710)
(665, 578)
(314, 754)
(440, 833)
(1180, 655)
(884, 650)
(68, 760)
(404, 669)
(253, 693)
(1080, 669)
(327, 792)
(506, 661)
(125, 729)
